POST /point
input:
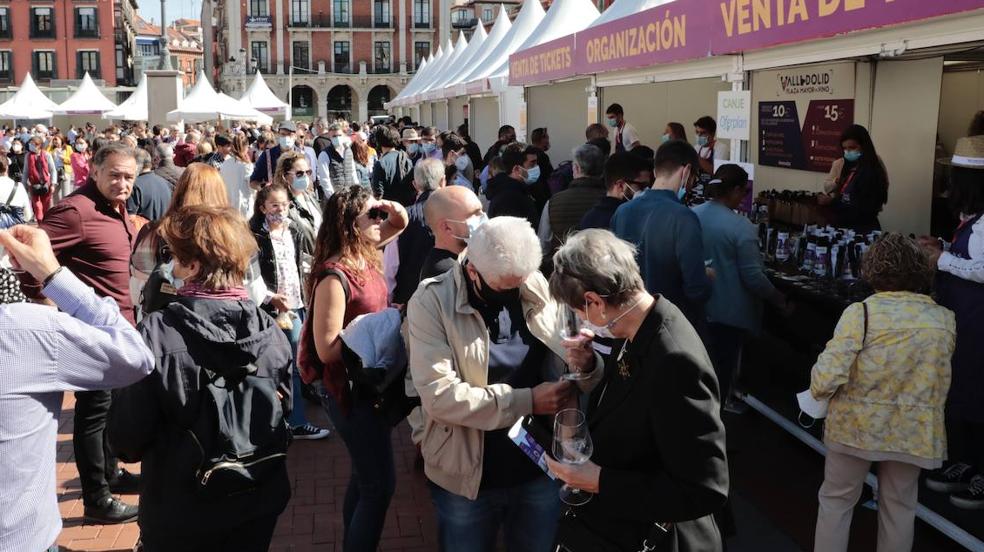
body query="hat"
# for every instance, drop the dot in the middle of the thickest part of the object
(969, 153)
(288, 126)
(410, 135)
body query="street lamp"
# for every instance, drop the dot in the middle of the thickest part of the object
(165, 63)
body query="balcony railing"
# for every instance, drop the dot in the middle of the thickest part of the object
(464, 23)
(323, 21)
(421, 24)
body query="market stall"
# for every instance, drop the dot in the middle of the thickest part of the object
(28, 103)
(203, 103)
(134, 108)
(261, 98)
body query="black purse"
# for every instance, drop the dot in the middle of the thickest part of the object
(573, 535)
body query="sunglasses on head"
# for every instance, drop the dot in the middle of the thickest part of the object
(377, 213)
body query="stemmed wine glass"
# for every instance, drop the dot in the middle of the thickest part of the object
(570, 330)
(572, 445)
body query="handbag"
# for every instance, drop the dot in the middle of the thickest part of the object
(11, 215)
(573, 535)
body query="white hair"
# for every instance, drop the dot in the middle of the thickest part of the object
(428, 174)
(505, 247)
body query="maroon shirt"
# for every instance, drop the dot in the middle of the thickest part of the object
(94, 240)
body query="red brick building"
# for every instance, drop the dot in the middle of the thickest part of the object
(62, 39)
(343, 57)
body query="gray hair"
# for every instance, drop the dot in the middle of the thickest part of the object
(428, 174)
(143, 159)
(590, 160)
(112, 149)
(163, 151)
(505, 247)
(595, 260)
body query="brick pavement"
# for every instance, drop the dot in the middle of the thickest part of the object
(319, 472)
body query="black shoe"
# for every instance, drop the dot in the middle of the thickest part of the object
(124, 482)
(973, 497)
(111, 510)
(953, 479)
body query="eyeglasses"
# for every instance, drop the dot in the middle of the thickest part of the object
(377, 213)
(302, 173)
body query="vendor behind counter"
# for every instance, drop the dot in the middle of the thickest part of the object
(857, 186)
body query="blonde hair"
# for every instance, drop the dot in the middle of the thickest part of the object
(896, 263)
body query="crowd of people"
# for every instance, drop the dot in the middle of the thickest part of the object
(213, 281)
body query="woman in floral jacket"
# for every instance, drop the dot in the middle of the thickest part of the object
(886, 373)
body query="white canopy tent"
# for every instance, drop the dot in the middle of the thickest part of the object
(499, 30)
(28, 103)
(419, 80)
(474, 47)
(205, 104)
(526, 21)
(261, 98)
(135, 107)
(439, 66)
(87, 100)
(433, 91)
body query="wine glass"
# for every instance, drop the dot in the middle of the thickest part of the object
(570, 330)
(572, 445)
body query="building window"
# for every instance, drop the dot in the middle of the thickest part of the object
(420, 51)
(121, 68)
(42, 23)
(6, 66)
(258, 51)
(5, 22)
(342, 57)
(87, 62)
(381, 10)
(341, 8)
(86, 23)
(44, 65)
(258, 7)
(299, 10)
(487, 15)
(302, 55)
(421, 13)
(381, 57)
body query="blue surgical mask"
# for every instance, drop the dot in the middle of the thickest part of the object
(428, 147)
(532, 175)
(612, 122)
(336, 141)
(852, 155)
(702, 141)
(300, 183)
(682, 193)
(168, 271)
(412, 149)
(473, 223)
(461, 163)
(664, 138)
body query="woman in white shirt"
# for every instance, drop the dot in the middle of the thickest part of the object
(12, 193)
(235, 173)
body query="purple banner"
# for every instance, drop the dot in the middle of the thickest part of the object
(548, 61)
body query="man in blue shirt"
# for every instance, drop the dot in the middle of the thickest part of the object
(668, 235)
(266, 163)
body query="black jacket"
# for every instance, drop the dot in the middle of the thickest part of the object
(148, 420)
(659, 439)
(600, 216)
(267, 258)
(414, 244)
(510, 197)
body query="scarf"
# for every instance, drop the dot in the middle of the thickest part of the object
(194, 289)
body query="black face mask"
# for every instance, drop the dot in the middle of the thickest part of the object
(494, 298)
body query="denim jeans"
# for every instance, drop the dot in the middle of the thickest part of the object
(96, 463)
(373, 479)
(297, 415)
(527, 512)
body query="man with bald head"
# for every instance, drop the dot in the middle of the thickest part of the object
(452, 213)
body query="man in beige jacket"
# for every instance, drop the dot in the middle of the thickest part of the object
(485, 348)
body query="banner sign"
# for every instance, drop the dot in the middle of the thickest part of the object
(815, 146)
(691, 29)
(258, 22)
(734, 114)
(548, 61)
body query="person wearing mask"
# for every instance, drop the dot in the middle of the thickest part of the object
(404, 258)
(279, 258)
(734, 310)
(302, 145)
(709, 148)
(960, 287)
(485, 350)
(346, 282)
(626, 175)
(151, 193)
(163, 161)
(235, 172)
(220, 383)
(16, 157)
(322, 140)
(294, 175)
(885, 374)
(223, 148)
(62, 156)
(411, 144)
(471, 148)
(392, 175)
(626, 136)
(508, 191)
(187, 150)
(80, 162)
(540, 139)
(88, 229)
(668, 234)
(39, 176)
(430, 148)
(363, 163)
(84, 345)
(659, 443)
(266, 163)
(857, 186)
(507, 135)
(566, 209)
(13, 194)
(673, 131)
(459, 170)
(335, 163)
(451, 213)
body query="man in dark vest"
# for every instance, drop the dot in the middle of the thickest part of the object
(416, 241)
(565, 209)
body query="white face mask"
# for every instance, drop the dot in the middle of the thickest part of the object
(286, 142)
(168, 270)
(473, 223)
(462, 163)
(605, 331)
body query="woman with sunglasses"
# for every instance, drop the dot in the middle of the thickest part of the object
(294, 174)
(346, 281)
(279, 259)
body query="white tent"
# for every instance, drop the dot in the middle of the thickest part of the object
(528, 18)
(87, 100)
(204, 104)
(474, 47)
(436, 72)
(135, 107)
(563, 18)
(433, 91)
(419, 80)
(625, 8)
(500, 29)
(398, 100)
(261, 98)
(28, 103)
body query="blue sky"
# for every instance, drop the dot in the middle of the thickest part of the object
(176, 9)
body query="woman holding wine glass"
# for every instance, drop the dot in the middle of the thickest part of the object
(657, 466)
